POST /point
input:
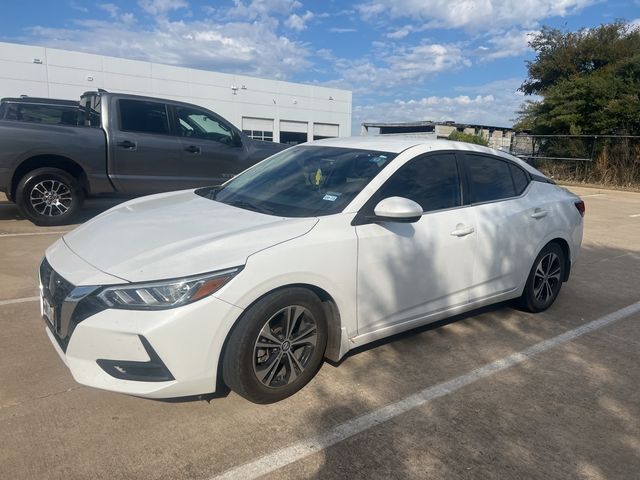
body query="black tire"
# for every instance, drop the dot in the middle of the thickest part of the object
(241, 365)
(62, 206)
(538, 296)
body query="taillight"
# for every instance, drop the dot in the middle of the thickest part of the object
(580, 207)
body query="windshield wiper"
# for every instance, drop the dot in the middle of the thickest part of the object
(250, 206)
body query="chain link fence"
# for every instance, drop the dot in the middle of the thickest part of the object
(606, 159)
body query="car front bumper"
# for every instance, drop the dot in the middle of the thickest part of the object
(187, 342)
(147, 353)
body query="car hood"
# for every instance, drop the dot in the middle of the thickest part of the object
(177, 234)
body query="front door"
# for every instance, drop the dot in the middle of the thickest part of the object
(145, 154)
(409, 270)
(211, 153)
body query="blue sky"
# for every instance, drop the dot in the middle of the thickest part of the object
(404, 60)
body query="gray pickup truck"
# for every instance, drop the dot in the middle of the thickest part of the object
(124, 144)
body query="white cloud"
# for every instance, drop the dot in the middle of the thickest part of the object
(398, 66)
(473, 14)
(343, 30)
(262, 8)
(110, 8)
(236, 47)
(161, 7)
(495, 103)
(512, 43)
(298, 22)
(400, 32)
(77, 7)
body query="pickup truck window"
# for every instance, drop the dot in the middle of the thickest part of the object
(144, 117)
(198, 124)
(44, 114)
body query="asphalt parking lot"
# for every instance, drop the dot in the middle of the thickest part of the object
(496, 393)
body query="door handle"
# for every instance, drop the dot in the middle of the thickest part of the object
(539, 213)
(193, 149)
(126, 144)
(462, 230)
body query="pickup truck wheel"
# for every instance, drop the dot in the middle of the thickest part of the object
(49, 196)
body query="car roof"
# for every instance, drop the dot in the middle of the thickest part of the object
(399, 143)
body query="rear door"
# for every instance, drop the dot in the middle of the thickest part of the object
(409, 270)
(212, 151)
(506, 230)
(146, 155)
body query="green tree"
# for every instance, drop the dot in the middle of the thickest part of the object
(467, 137)
(588, 81)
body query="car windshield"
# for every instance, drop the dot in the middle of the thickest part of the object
(303, 181)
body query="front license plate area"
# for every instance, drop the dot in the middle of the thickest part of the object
(49, 313)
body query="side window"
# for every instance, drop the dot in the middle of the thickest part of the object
(199, 124)
(489, 178)
(144, 117)
(432, 181)
(520, 178)
(44, 114)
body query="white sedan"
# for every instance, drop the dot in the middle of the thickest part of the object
(317, 250)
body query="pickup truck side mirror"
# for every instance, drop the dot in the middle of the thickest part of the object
(236, 139)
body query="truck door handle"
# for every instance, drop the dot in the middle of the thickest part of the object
(127, 144)
(462, 230)
(193, 149)
(539, 213)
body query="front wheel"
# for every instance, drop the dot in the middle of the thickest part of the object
(277, 346)
(49, 196)
(545, 279)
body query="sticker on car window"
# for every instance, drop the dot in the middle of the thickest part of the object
(331, 196)
(379, 160)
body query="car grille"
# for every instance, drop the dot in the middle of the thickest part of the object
(54, 287)
(70, 306)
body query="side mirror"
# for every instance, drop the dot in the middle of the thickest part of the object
(236, 139)
(398, 209)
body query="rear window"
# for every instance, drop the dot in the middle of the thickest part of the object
(144, 117)
(489, 178)
(520, 178)
(43, 114)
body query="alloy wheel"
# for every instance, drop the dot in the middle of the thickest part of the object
(285, 346)
(51, 198)
(547, 278)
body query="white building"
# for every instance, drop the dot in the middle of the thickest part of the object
(265, 109)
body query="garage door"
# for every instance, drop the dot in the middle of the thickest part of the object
(258, 128)
(264, 124)
(293, 133)
(325, 130)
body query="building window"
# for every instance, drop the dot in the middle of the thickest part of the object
(259, 135)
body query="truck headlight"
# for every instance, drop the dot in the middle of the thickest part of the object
(165, 293)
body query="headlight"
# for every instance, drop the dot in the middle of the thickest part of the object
(166, 293)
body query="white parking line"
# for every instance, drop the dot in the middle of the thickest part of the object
(5, 235)
(593, 195)
(635, 215)
(317, 443)
(19, 300)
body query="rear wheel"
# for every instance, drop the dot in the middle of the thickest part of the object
(545, 279)
(277, 346)
(49, 196)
